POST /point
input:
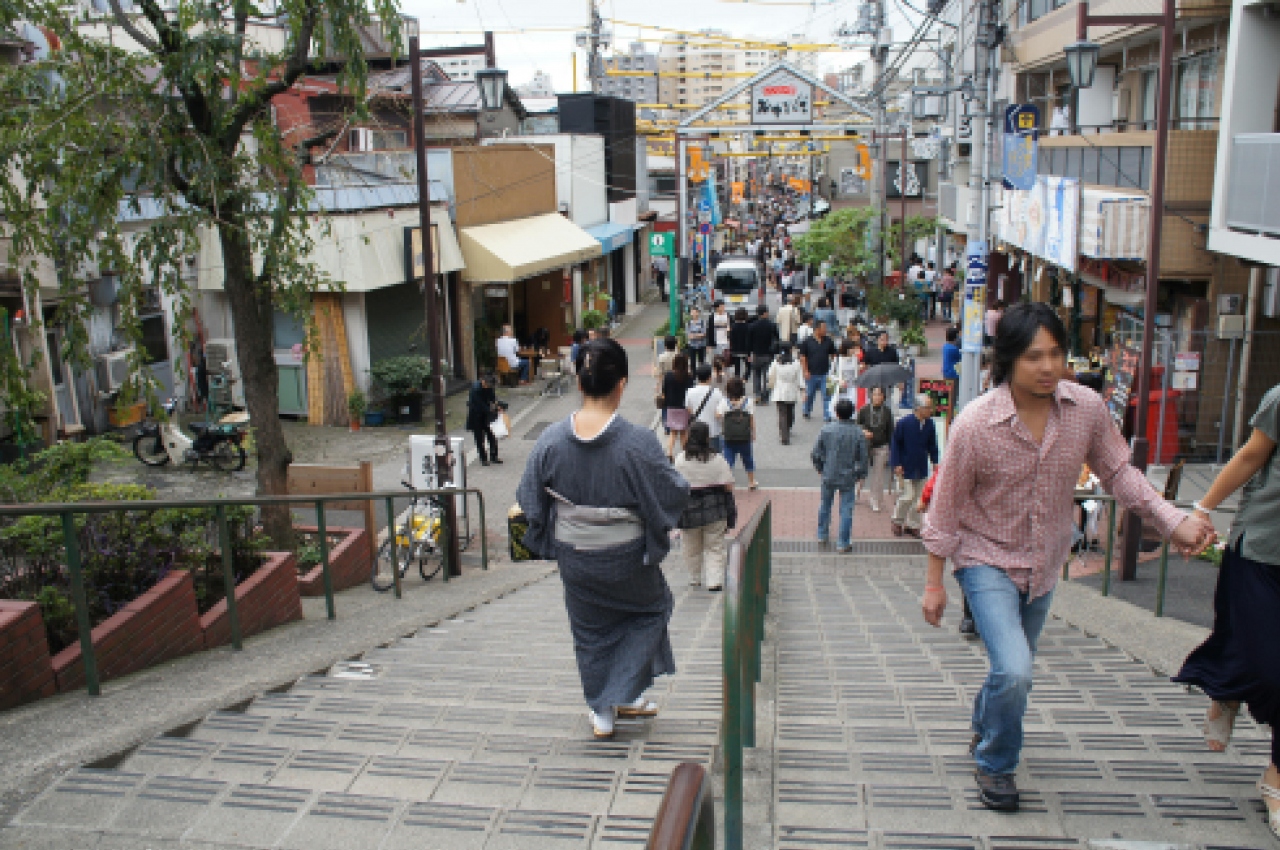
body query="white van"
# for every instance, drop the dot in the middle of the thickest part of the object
(737, 281)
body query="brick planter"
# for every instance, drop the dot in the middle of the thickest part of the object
(161, 624)
(349, 561)
(26, 671)
(264, 600)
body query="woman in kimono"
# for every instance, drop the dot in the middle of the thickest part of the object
(601, 499)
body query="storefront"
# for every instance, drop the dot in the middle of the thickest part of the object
(520, 272)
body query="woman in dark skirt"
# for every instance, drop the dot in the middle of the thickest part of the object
(1240, 662)
(601, 499)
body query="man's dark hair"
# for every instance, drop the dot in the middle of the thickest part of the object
(740, 315)
(844, 409)
(670, 343)
(762, 310)
(704, 373)
(1015, 333)
(953, 334)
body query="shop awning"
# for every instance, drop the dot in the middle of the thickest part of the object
(612, 235)
(514, 250)
(363, 251)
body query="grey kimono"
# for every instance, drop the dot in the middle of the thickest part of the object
(617, 598)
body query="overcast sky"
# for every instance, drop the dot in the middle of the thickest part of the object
(522, 48)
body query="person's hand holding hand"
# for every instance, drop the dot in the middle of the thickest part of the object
(933, 604)
(1193, 535)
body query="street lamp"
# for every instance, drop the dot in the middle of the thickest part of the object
(1082, 63)
(493, 88)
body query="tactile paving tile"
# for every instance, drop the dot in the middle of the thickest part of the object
(86, 797)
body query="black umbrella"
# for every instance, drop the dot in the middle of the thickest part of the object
(884, 375)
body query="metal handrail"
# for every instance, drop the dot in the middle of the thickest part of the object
(1163, 575)
(68, 510)
(686, 818)
(746, 592)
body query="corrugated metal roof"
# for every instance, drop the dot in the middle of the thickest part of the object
(334, 199)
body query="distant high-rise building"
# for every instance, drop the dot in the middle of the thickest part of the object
(635, 89)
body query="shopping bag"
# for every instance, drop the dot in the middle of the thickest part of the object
(501, 426)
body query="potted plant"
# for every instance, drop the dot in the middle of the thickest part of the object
(356, 405)
(913, 337)
(403, 379)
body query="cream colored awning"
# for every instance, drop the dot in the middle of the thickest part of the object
(363, 251)
(515, 250)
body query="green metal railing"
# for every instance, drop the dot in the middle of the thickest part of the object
(746, 592)
(71, 543)
(1162, 577)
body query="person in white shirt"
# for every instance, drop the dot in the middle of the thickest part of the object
(720, 329)
(702, 402)
(509, 349)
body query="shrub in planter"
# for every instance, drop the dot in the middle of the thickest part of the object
(403, 379)
(348, 559)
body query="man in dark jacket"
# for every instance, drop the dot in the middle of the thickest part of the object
(913, 447)
(762, 337)
(482, 409)
(740, 344)
(881, 352)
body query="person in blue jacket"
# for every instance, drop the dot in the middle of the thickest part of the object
(913, 447)
(951, 355)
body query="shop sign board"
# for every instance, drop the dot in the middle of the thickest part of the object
(782, 98)
(975, 297)
(1122, 367)
(1185, 380)
(1021, 144)
(943, 391)
(662, 243)
(1187, 361)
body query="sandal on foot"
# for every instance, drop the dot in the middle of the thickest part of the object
(601, 726)
(1217, 730)
(1273, 815)
(639, 708)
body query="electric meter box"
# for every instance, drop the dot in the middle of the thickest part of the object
(423, 465)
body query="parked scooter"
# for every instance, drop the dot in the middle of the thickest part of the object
(220, 443)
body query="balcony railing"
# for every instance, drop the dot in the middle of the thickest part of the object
(1253, 194)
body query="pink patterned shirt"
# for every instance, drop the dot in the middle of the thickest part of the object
(1004, 501)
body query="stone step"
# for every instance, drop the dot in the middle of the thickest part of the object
(869, 731)
(549, 809)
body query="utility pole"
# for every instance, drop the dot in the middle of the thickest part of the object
(444, 459)
(879, 52)
(595, 63)
(973, 310)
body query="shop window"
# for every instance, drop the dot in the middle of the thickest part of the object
(1130, 168)
(288, 330)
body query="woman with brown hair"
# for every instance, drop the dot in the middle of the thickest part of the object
(675, 383)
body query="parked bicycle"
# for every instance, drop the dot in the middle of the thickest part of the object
(418, 539)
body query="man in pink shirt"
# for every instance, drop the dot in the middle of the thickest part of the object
(1002, 512)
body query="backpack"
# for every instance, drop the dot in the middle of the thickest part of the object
(737, 425)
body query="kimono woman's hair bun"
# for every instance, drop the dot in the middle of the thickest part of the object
(602, 365)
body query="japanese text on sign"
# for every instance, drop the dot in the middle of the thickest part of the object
(782, 98)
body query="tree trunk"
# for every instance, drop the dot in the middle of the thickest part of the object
(253, 314)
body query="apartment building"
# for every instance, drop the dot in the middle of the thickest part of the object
(633, 88)
(538, 87)
(706, 66)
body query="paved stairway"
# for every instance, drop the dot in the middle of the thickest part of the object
(469, 735)
(871, 732)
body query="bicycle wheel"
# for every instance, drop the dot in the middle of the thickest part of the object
(227, 457)
(429, 561)
(383, 575)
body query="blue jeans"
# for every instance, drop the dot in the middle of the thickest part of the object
(812, 386)
(733, 451)
(1010, 626)
(847, 499)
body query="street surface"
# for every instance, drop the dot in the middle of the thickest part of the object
(454, 719)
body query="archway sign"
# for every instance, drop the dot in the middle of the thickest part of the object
(782, 100)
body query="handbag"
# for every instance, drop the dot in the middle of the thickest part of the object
(499, 427)
(677, 418)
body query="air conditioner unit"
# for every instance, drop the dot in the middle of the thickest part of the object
(218, 352)
(113, 370)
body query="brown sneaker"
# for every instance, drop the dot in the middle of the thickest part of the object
(897, 529)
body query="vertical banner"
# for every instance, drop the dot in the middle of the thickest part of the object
(975, 298)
